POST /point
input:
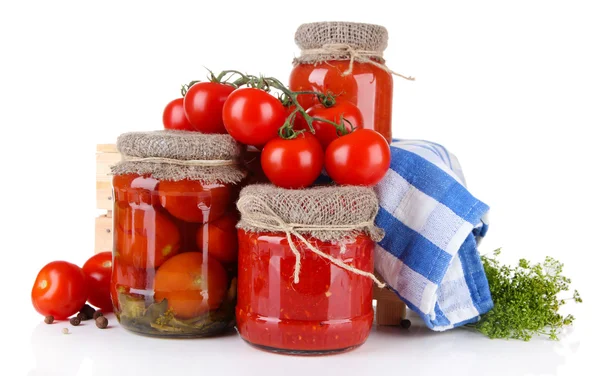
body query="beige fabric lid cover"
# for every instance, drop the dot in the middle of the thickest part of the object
(179, 146)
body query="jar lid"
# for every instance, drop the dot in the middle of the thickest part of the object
(179, 155)
(327, 213)
(180, 145)
(360, 36)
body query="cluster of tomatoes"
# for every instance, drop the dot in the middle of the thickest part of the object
(61, 288)
(161, 236)
(297, 144)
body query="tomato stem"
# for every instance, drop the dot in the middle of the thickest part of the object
(288, 98)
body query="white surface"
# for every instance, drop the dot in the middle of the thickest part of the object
(511, 87)
(389, 350)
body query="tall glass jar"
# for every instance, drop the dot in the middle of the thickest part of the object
(346, 59)
(292, 299)
(175, 244)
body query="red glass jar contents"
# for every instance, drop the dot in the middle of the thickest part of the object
(346, 59)
(175, 242)
(327, 309)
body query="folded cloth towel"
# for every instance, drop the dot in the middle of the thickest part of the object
(433, 224)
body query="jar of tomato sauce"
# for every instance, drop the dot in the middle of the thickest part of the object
(346, 59)
(305, 268)
(175, 242)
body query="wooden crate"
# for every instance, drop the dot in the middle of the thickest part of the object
(390, 309)
(106, 156)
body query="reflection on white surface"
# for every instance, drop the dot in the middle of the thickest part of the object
(389, 350)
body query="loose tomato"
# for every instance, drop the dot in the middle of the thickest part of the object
(174, 116)
(219, 238)
(124, 278)
(294, 163)
(253, 116)
(135, 190)
(145, 238)
(193, 283)
(359, 158)
(60, 290)
(97, 271)
(203, 104)
(326, 132)
(194, 201)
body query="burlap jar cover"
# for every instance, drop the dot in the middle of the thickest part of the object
(331, 214)
(178, 155)
(356, 42)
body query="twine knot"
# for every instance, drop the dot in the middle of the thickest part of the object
(358, 55)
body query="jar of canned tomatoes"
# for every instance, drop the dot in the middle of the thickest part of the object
(175, 244)
(346, 60)
(305, 268)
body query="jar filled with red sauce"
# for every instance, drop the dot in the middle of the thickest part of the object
(327, 308)
(175, 242)
(346, 60)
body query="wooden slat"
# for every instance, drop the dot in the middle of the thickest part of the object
(106, 148)
(104, 236)
(104, 195)
(390, 309)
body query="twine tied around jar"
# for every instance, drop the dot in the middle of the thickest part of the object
(267, 219)
(179, 162)
(360, 56)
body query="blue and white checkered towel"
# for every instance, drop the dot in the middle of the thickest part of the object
(432, 223)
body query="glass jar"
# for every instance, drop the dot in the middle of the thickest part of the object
(175, 256)
(329, 63)
(329, 310)
(175, 242)
(306, 291)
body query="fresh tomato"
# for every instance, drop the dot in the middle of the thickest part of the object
(253, 116)
(135, 190)
(97, 271)
(124, 278)
(145, 238)
(359, 158)
(294, 163)
(194, 201)
(219, 238)
(174, 116)
(326, 132)
(203, 104)
(193, 283)
(60, 290)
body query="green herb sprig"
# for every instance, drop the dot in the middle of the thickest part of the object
(526, 299)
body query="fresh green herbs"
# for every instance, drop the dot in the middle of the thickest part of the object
(526, 299)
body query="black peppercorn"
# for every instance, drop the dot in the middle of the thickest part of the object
(49, 319)
(97, 314)
(82, 316)
(75, 321)
(102, 322)
(405, 323)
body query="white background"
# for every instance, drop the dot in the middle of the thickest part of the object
(511, 87)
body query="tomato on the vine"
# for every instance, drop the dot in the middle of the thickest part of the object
(97, 271)
(174, 116)
(60, 290)
(359, 158)
(327, 132)
(253, 116)
(293, 163)
(203, 104)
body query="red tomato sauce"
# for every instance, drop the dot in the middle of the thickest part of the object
(368, 87)
(329, 310)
